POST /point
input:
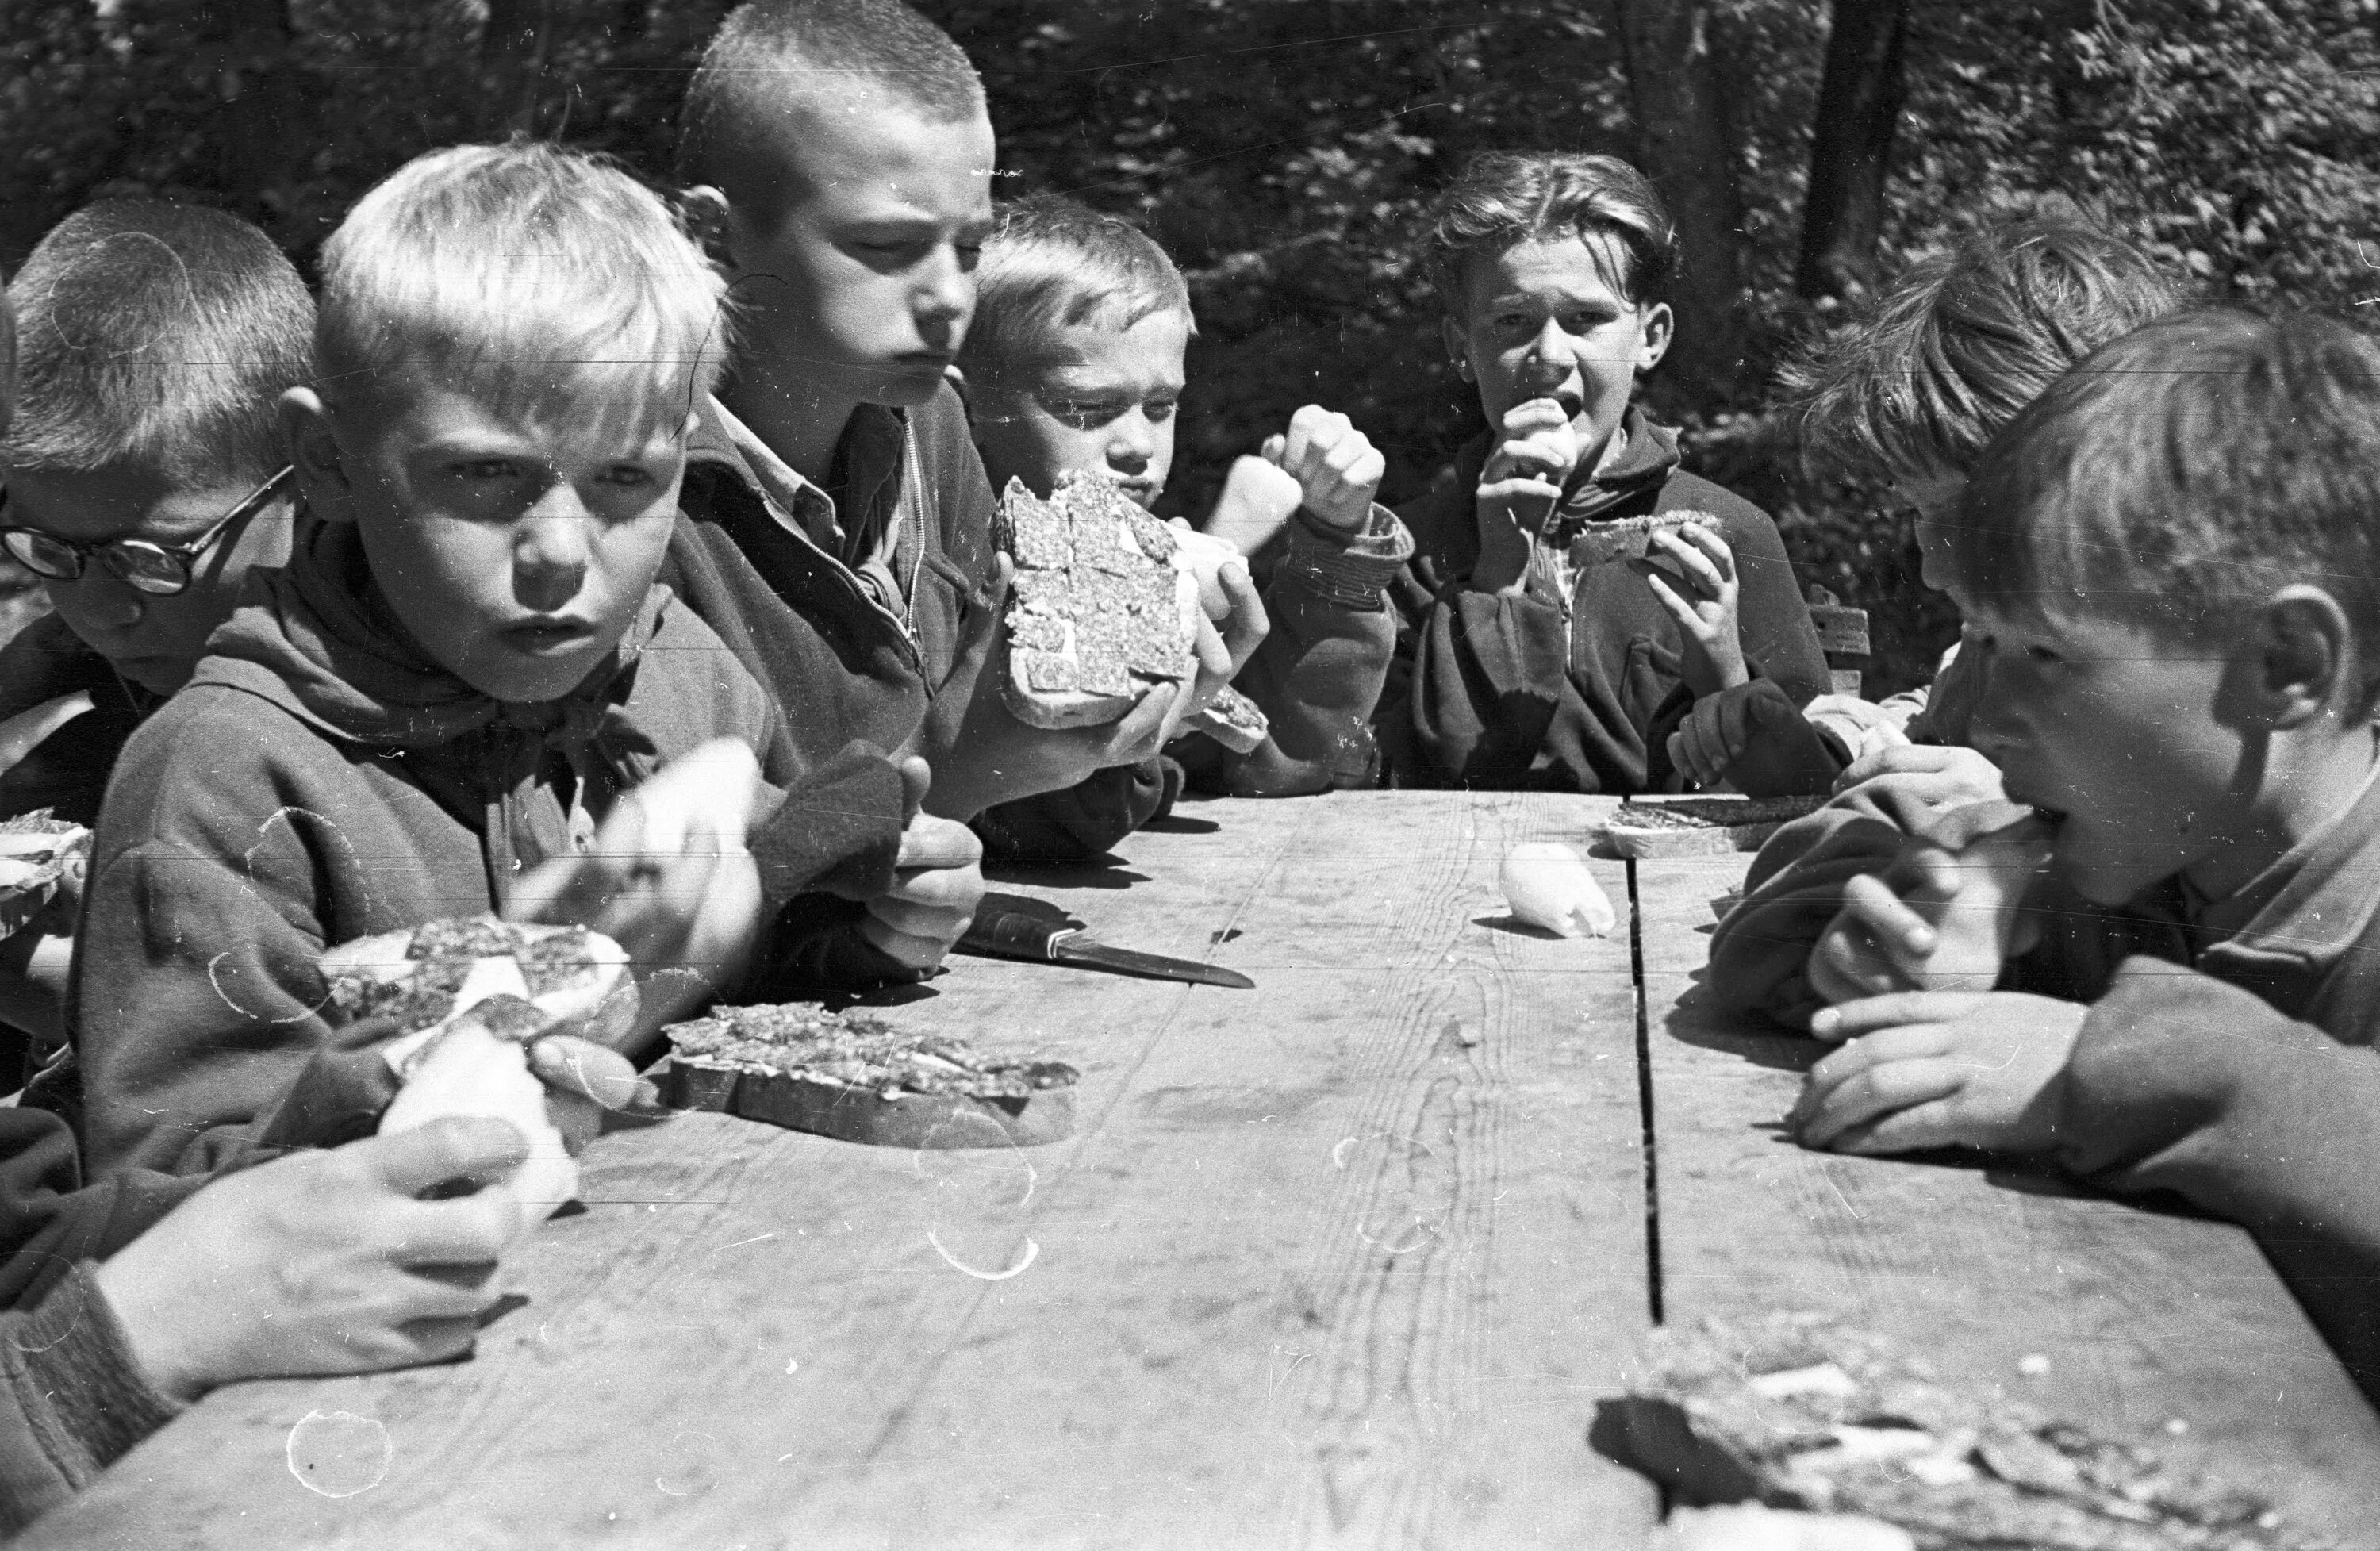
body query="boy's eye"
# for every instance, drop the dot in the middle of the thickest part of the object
(1160, 410)
(628, 476)
(484, 468)
(1088, 415)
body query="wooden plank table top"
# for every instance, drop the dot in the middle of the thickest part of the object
(2147, 1319)
(1349, 1258)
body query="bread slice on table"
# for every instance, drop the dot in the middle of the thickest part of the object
(1105, 603)
(1797, 1412)
(1651, 828)
(858, 1079)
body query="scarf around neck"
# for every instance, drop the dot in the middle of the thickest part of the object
(312, 638)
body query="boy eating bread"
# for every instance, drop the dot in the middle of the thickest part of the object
(2158, 963)
(443, 698)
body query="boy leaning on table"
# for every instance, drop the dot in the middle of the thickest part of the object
(124, 1299)
(145, 479)
(2158, 963)
(434, 708)
(1075, 360)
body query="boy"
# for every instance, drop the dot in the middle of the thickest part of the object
(2169, 559)
(838, 159)
(1911, 392)
(1529, 668)
(123, 1301)
(144, 480)
(1907, 394)
(455, 675)
(1075, 360)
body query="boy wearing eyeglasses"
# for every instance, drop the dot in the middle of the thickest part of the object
(143, 481)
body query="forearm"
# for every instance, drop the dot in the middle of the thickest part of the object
(1317, 677)
(75, 1401)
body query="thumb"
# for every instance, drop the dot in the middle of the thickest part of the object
(1276, 447)
(917, 780)
(456, 1147)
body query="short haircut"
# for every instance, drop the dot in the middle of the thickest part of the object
(540, 280)
(1053, 262)
(2187, 470)
(770, 55)
(158, 333)
(1504, 197)
(1923, 378)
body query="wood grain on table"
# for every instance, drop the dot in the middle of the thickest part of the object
(2145, 1318)
(1345, 1259)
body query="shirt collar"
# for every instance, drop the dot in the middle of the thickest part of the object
(2314, 903)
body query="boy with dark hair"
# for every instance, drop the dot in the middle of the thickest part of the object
(124, 1300)
(1075, 362)
(1535, 663)
(144, 479)
(1912, 391)
(446, 694)
(838, 158)
(2171, 561)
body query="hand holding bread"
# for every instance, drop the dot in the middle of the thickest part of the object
(1703, 595)
(1519, 487)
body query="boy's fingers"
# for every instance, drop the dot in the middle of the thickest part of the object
(1882, 1089)
(1850, 1020)
(568, 1064)
(1132, 738)
(1721, 557)
(917, 780)
(457, 1148)
(1898, 929)
(1275, 449)
(1699, 568)
(1920, 1128)
(936, 846)
(1665, 593)
(917, 953)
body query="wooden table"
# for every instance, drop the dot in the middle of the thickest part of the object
(1349, 1258)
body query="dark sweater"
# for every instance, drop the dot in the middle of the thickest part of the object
(67, 772)
(319, 781)
(1578, 694)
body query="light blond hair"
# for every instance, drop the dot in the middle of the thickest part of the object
(540, 281)
(1051, 264)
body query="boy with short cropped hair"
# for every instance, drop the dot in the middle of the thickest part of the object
(144, 478)
(1075, 360)
(837, 156)
(1533, 665)
(2170, 557)
(458, 675)
(1912, 391)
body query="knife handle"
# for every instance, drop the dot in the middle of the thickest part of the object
(1017, 935)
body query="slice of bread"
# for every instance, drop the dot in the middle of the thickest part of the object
(858, 1079)
(1105, 602)
(578, 977)
(1700, 826)
(1599, 543)
(1231, 720)
(36, 853)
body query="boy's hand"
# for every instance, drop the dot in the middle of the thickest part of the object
(582, 1081)
(1934, 776)
(1519, 487)
(1335, 465)
(1933, 920)
(1257, 500)
(1713, 737)
(1933, 1068)
(322, 1262)
(937, 882)
(1704, 603)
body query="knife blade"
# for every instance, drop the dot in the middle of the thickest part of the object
(1008, 934)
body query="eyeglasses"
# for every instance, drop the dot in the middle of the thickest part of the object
(155, 569)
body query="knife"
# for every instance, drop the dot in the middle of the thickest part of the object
(1009, 934)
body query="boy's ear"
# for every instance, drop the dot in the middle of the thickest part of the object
(704, 209)
(314, 450)
(1458, 345)
(2305, 654)
(1660, 327)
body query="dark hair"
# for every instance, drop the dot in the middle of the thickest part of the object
(1917, 384)
(1053, 262)
(2187, 470)
(159, 331)
(1504, 197)
(770, 53)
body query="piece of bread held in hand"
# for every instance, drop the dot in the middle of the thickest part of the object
(578, 977)
(1105, 603)
(476, 1063)
(1231, 720)
(37, 853)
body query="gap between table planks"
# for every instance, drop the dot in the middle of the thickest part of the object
(2145, 1318)
(1346, 1259)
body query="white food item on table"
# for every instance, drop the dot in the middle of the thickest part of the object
(1547, 885)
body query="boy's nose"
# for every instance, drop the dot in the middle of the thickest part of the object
(550, 552)
(944, 298)
(1131, 444)
(102, 600)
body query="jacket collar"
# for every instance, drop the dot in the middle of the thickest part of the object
(2306, 911)
(869, 453)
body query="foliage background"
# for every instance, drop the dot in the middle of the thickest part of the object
(1283, 149)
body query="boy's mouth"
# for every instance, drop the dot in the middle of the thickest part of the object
(541, 638)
